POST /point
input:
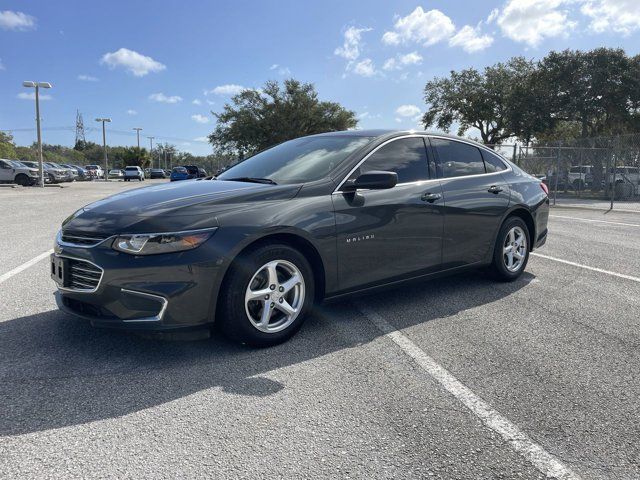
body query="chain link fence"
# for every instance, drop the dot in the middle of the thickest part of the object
(598, 168)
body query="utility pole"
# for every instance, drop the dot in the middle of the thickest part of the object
(37, 86)
(104, 146)
(137, 129)
(151, 149)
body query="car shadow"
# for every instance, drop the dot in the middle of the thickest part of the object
(57, 371)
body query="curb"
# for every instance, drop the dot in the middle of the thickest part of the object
(596, 209)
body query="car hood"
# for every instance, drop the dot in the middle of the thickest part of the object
(190, 204)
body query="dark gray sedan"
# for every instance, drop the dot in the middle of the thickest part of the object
(312, 218)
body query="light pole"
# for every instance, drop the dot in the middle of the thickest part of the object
(104, 146)
(38, 86)
(151, 149)
(137, 129)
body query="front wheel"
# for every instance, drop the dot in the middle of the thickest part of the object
(511, 252)
(266, 296)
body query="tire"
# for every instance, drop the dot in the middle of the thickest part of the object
(23, 180)
(500, 269)
(239, 318)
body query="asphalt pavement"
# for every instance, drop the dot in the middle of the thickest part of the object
(459, 378)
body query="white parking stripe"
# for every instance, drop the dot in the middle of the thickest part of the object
(24, 266)
(596, 221)
(587, 267)
(516, 439)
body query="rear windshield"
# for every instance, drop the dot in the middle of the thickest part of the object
(191, 169)
(132, 169)
(179, 169)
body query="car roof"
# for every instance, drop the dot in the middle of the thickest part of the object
(390, 133)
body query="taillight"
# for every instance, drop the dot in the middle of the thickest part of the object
(544, 187)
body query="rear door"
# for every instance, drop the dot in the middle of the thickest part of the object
(387, 234)
(476, 198)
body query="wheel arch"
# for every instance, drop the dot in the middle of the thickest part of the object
(527, 218)
(293, 240)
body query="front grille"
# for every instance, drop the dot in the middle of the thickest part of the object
(83, 275)
(82, 240)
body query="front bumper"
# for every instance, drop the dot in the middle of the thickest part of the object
(154, 292)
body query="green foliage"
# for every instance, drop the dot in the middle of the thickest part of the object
(258, 119)
(7, 148)
(598, 90)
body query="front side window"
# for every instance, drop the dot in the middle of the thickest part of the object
(458, 159)
(406, 156)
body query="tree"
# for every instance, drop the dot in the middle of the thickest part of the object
(496, 102)
(258, 119)
(7, 147)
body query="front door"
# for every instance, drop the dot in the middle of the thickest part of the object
(476, 198)
(6, 172)
(393, 233)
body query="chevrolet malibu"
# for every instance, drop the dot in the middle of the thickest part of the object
(313, 218)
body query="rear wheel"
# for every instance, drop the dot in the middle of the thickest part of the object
(266, 296)
(511, 252)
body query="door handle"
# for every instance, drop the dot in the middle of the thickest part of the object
(495, 189)
(430, 197)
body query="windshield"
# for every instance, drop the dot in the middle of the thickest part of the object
(298, 161)
(135, 169)
(17, 164)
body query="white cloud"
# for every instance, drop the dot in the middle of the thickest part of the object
(229, 89)
(620, 16)
(87, 78)
(201, 139)
(425, 28)
(32, 96)
(200, 118)
(470, 39)
(280, 69)
(365, 68)
(413, 58)
(137, 64)
(210, 102)
(531, 21)
(352, 45)
(19, 21)
(1, 65)
(407, 111)
(131, 112)
(162, 98)
(196, 102)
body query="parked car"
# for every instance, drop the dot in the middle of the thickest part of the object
(51, 174)
(80, 173)
(626, 174)
(115, 173)
(580, 177)
(157, 173)
(179, 173)
(13, 171)
(95, 171)
(133, 173)
(311, 218)
(69, 174)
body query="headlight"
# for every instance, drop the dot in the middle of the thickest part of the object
(154, 243)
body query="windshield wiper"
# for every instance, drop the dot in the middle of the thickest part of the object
(252, 180)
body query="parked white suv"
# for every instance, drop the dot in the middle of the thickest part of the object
(133, 173)
(13, 171)
(582, 176)
(95, 171)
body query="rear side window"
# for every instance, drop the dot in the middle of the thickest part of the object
(458, 159)
(407, 157)
(493, 163)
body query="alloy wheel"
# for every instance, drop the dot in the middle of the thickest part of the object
(274, 296)
(514, 249)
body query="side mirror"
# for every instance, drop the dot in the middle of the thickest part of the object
(374, 180)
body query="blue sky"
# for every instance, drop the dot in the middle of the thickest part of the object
(164, 66)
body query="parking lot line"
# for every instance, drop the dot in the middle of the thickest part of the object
(595, 221)
(519, 441)
(24, 266)
(587, 267)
